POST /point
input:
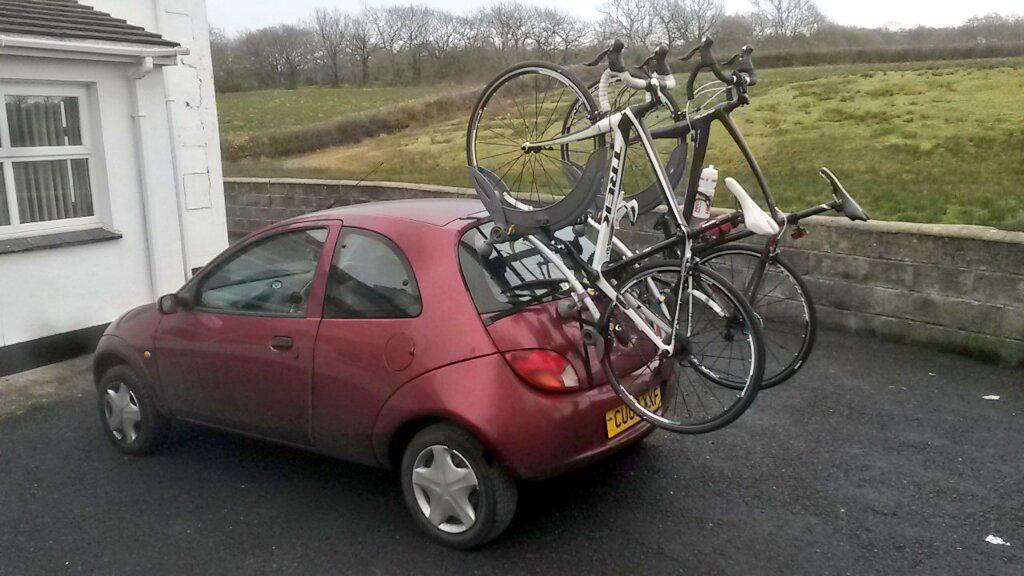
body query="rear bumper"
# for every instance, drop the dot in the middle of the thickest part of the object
(534, 434)
(573, 438)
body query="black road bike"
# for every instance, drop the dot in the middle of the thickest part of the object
(771, 284)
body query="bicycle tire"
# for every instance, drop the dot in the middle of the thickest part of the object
(696, 360)
(541, 210)
(779, 371)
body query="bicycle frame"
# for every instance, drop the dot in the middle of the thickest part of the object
(620, 125)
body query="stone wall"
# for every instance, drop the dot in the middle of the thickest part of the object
(253, 203)
(956, 288)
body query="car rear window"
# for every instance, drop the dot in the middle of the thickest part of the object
(493, 276)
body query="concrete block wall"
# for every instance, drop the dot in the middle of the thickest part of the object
(956, 288)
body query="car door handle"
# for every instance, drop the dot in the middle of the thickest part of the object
(281, 343)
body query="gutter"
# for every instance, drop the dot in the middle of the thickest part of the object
(112, 49)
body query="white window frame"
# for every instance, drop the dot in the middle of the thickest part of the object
(10, 155)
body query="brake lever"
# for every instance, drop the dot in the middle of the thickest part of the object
(614, 56)
(600, 58)
(691, 54)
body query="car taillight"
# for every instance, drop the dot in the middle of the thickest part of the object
(544, 369)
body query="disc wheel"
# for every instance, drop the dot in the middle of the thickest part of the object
(782, 303)
(715, 371)
(531, 102)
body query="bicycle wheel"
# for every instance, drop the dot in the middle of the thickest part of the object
(529, 102)
(714, 374)
(782, 303)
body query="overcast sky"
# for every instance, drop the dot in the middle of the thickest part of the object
(235, 15)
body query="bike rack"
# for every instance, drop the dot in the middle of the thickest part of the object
(515, 221)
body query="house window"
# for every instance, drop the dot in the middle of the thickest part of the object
(46, 159)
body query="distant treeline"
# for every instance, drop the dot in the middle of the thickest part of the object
(408, 44)
(812, 57)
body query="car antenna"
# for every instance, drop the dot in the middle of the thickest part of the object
(361, 180)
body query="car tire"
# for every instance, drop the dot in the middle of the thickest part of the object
(443, 469)
(128, 413)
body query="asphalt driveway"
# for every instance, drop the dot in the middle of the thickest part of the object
(877, 459)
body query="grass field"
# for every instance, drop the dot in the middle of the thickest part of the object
(923, 142)
(251, 112)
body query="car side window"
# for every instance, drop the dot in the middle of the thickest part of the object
(272, 276)
(370, 278)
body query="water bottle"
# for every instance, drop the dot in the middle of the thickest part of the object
(705, 193)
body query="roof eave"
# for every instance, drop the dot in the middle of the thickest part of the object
(162, 55)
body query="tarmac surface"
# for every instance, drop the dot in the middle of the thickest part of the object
(877, 459)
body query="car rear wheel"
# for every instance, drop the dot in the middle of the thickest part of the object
(455, 493)
(130, 418)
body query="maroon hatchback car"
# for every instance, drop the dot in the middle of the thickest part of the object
(388, 334)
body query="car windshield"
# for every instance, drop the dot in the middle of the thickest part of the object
(511, 273)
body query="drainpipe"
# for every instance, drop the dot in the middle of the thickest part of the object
(179, 192)
(139, 115)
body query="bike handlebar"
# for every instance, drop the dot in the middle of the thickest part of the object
(743, 74)
(662, 78)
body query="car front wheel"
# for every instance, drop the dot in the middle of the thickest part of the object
(454, 492)
(130, 418)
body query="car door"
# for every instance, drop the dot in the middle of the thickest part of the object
(367, 346)
(242, 355)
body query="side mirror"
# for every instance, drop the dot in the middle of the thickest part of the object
(169, 304)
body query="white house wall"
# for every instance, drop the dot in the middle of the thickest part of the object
(52, 291)
(46, 292)
(199, 179)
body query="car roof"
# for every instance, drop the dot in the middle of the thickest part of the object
(433, 211)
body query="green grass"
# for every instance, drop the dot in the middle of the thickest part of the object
(251, 112)
(921, 142)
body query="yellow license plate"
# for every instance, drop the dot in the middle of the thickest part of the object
(618, 420)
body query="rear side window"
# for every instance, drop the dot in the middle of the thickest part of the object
(495, 277)
(370, 278)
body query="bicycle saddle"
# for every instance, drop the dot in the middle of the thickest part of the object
(847, 205)
(756, 219)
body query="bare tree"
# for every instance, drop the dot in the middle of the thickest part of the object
(447, 33)
(672, 20)
(786, 18)
(573, 34)
(413, 34)
(511, 25)
(359, 43)
(704, 16)
(554, 31)
(387, 31)
(633, 21)
(277, 55)
(329, 28)
(290, 46)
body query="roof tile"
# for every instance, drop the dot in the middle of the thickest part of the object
(72, 20)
